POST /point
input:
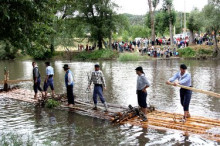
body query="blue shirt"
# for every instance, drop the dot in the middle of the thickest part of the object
(184, 80)
(49, 71)
(142, 82)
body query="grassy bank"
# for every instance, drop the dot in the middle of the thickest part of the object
(132, 57)
(190, 52)
(104, 54)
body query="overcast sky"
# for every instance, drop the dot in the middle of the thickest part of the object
(140, 7)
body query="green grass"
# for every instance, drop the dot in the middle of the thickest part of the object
(104, 54)
(187, 52)
(205, 52)
(51, 103)
(132, 57)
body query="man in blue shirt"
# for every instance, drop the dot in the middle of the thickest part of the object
(49, 79)
(69, 85)
(184, 78)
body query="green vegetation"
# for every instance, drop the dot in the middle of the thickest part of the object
(132, 57)
(51, 103)
(187, 52)
(104, 54)
(205, 52)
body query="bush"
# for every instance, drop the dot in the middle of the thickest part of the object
(205, 52)
(51, 103)
(104, 54)
(131, 57)
(187, 52)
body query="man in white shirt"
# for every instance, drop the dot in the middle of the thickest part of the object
(69, 85)
(49, 79)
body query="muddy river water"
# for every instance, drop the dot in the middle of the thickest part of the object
(56, 127)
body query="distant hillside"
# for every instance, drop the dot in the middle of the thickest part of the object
(135, 19)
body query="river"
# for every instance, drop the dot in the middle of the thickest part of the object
(56, 127)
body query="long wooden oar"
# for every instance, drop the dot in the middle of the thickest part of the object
(15, 81)
(198, 90)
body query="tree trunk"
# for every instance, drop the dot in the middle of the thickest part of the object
(152, 22)
(192, 40)
(100, 43)
(110, 40)
(170, 26)
(216, 49)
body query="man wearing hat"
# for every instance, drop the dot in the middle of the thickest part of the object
(142, 85)
(98, 80)
(69, 85)
(184, 78)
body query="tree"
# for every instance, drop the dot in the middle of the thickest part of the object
(194, 23)
(211, 13)
(152, 7)
(167, 4)
(100, 18)
(25, 25)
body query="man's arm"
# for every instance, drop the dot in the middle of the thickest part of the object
(90, 81)
(103, 80)
(173, 78)
(70, 78)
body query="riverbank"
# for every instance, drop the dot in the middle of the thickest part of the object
(200, 52)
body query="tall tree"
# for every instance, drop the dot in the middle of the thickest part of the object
(211, 13)
(152, 7)
(167, 4)
(100, 18)
(194, 23)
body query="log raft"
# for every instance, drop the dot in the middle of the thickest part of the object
(206, 127)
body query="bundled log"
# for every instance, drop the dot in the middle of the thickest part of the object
(130, 113)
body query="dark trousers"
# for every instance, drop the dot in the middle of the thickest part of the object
(185, 97)
(142, 98)
(37, 86)
(98, 91)
(70, 94)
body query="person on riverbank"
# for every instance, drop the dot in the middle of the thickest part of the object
(142, 85)
(97, 78)
(69, 85)
(49, 79)
(37, 80)
(184, 78)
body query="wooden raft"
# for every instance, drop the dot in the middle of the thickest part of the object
(206, 127)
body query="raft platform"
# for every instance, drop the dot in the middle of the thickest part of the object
(206, 127)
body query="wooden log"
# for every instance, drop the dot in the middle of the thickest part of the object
(198, 90)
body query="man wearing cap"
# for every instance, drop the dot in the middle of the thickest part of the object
(142, 85)
(37, 79)
(69, 85)
(49, 79)
(184, 78)
(98, 80)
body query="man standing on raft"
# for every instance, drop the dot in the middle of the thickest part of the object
(142, 85)
(184, 78)
(99, 83)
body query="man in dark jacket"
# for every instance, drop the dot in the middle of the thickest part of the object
(37, 79)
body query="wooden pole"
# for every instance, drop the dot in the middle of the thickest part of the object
(6, 78)
(198, 90)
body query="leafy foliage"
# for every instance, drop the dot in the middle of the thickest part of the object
(187, 52)
(25, 25)
(51, 103)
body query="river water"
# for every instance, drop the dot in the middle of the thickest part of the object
(56, 127)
